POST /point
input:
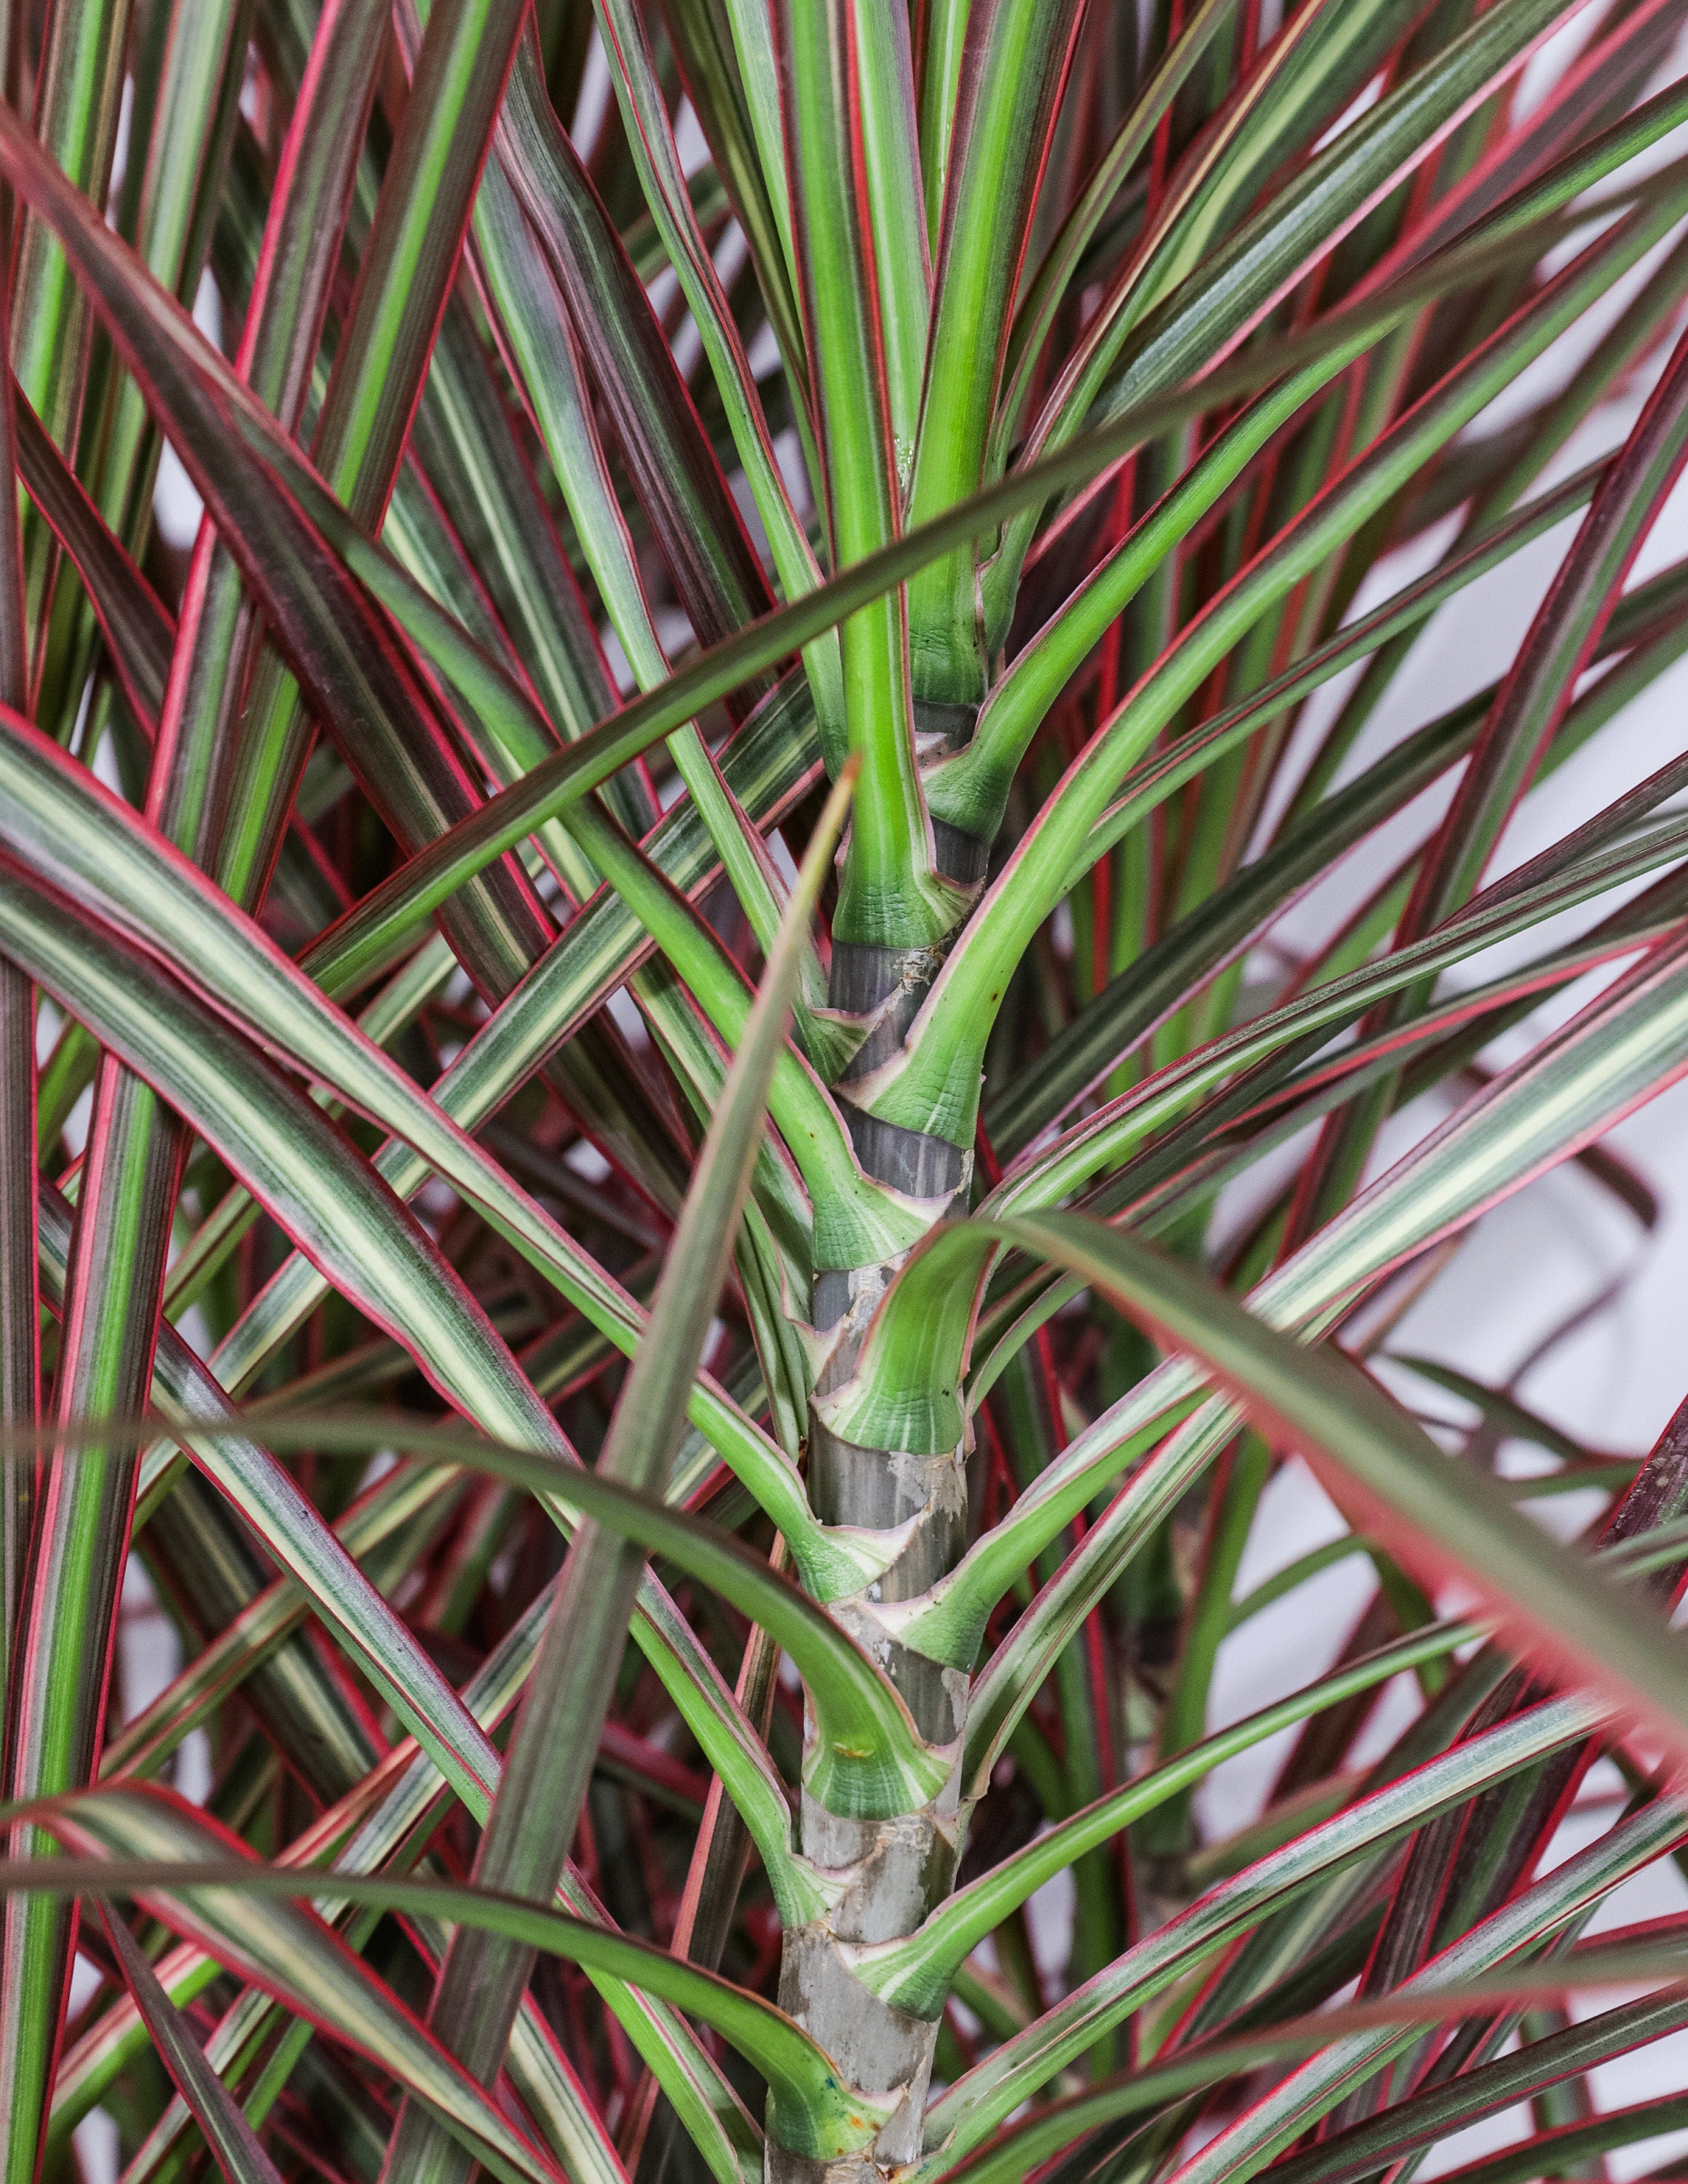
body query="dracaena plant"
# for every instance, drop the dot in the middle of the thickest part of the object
(645, 997)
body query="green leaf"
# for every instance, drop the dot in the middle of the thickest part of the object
(525, 1841)
(964, 2115)
(426, 194)
(908, 1387)
(866, 1756)
(918, 1974)
(651, 139)
(231, 2140)
(677, 478)
(147, 1843)
(1044, 293)
(1013, 70)
(1218, 301)
(330, 1194)
(1060, 2124)
(138, 630)
(1565, 1094)
(285, 1946)
(1431, 1511)
(936, 1088)
(386, 923)
(888, 888)
(1436, 2110)
(410, 1790)
(1096, 1038)
(1522, 1925)
(163, 903)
